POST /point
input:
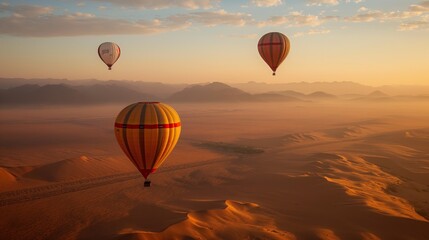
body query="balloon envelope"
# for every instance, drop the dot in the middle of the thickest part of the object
(273, 48)
(147, 133)
(109, 53)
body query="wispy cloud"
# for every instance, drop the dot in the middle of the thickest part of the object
(322, 2)
(312, 32)
(25, 10)
(245, 36)
(329, 2)
(213, 18)
(420, 24)
(38, 21)
(362, 9)
(43, 21)
(293, 19)
(266, 3)
(415, 16)
(422, 7)
(160, 4)
(414, 25)
(355, 1)
(377, 15)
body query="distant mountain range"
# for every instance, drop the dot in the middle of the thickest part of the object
(334, 88)
(65, 94)
(221, 92)
(62, 91)
(154, 88)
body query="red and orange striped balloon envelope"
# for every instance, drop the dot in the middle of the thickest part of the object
(273, 48)
(147, 133)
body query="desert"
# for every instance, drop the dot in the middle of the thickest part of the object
(279, 170)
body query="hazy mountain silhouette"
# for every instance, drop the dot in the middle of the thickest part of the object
(273, 97)
(306, 88)
(335, 88)
(114, 91)
(163, 90)
(6, 83)
(221, 92)
(212, 92)
(375, 96)
(64, 94)
(291, 93)
(35, 94)
(320, 95)
(157, 89)
(377, 93)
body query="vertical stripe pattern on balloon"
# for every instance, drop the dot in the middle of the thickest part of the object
(147, 132)
(273, 48)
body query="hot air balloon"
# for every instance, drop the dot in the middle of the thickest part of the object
(273, 48)
(147, 133)
(109, 53)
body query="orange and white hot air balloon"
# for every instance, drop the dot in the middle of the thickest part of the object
(109, 53)
(274, 48)
(147, 133)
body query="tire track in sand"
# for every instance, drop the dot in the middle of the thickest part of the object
(55, 189)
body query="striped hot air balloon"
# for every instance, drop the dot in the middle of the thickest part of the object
(109, 53)
(147, 133)
(273, 48)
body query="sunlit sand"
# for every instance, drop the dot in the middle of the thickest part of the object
(311, 170)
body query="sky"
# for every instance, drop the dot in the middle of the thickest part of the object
(373, 42)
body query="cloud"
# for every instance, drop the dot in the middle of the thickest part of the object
(329, 2)
(312, 32)
(421, 24)
(160, 4)
(39, 21)
(213, 18)
(414, 25)
(245, 36)
(322, 2)
(422, 7)
(377, 15)
(366, 15)
(79, 24)
(293, 19)
(266, 3)
(355, 1)
(414, 11)
(25, 10)
(362, 9)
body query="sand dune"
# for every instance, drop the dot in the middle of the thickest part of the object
(238, 220)
(76, 168)
(6, 177)
(302, 138)
(367, 181)
(347, 132)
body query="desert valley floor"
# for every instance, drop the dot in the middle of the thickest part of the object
(327, 170)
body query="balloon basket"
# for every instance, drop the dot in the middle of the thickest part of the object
(146, 183)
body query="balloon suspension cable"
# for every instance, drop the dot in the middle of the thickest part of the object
(274, 73)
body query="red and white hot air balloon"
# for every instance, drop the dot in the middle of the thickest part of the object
(109, 53)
